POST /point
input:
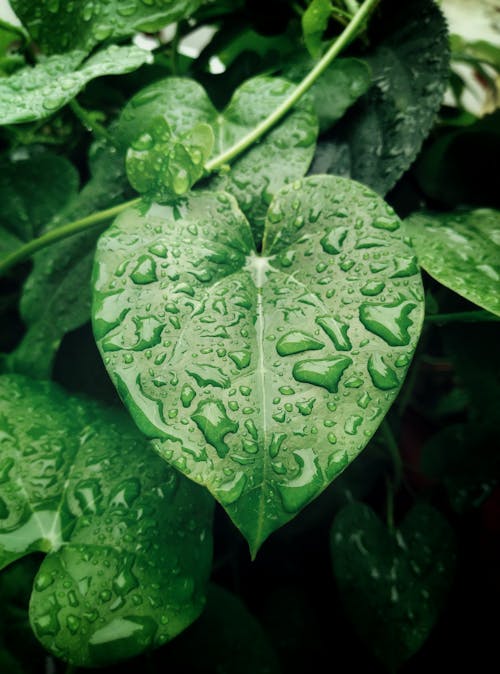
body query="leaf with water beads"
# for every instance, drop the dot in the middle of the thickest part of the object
(280, 157)
(393, 583)
(37, 92)
(128, 539)
(58, 26)
(260, 377)
(462, 251)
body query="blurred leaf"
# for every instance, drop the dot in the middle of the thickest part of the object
(393, 583)
(382, 134)
(314, 23)
(462, 251)
(128, 539)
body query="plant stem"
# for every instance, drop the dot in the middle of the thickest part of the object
(389, 503)
(63, 232)
(342, 41)
(89, 122)
(462, 317)
(393, 448)
(243, 144)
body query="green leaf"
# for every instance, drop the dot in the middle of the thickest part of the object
(127, 539)
(259, 377)
(160, 165)
(34, 186)
(314, 23)
(38, 92)
(56, 295)
(282, 156)
(58, 26)
(393, 584)
(382, 135)
(462, 251)
(342, 83)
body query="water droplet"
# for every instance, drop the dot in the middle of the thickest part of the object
(125, 493)
(295, 493)
(336, 331)
(206, 375)
(144, 271)
(389, 224)
(405, 266)
(187, 395)
(297, 342)
(352, 424)
(333, 241)
(364, 400)
(372, 288)
(148, 330)
(43, 581)
(212, 420)
(73, 623)
(47, 624)
(229, 492)
(388, 321)
(125, 581)
(89, 495)
(251, 428)
(383, 377)
(322, 372)
(305, 408)
(277, 440)
(240, 358)
(159, 249)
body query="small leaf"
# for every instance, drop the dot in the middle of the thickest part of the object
(381, 136)
(127, 539)
(34, 187)
(462, 251)
(261, 378)
(59, 26)
(342, 83)
(56, 295)
(393, 584)
(314, 23)
(161, 166)
(35, 93)
(283, 155)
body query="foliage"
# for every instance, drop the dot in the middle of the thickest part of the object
(225, 271)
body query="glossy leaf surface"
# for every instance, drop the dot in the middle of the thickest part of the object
(383, 133)
(128, 539)
(58, 25)
(462, 251)
(393, 584)
(259, 377)
(283, 154)
(36, 92)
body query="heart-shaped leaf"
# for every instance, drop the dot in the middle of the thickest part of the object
(282, 155)
(259, 377)
(462, 251)
(35, 93)
(57, 25)
(393, 584)
(128, 539)
(383, 133)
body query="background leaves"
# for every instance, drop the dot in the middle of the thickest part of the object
(80, 483)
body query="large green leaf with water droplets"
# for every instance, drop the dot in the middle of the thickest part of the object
(393, 583)
(283, 155)
(59, 25)
(127, 538)
(462, 251)
(36, 92)
(259, 377)
(56, 295)
(34, 186)
(382, 134)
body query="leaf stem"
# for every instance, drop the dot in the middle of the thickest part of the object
(89, 122)
(393, 448)
(347, 35)
(462, 317)
(63, 232)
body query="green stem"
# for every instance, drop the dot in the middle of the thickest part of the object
(462, 317)
(393, 448)
(243, 144)
(389, 503)
(60, 233)
(89, 122)
(342, 41)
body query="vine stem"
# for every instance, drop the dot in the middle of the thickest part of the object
(347, 35)
(393, 448)
(462, 317)
(62, 232)
(55, 235)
